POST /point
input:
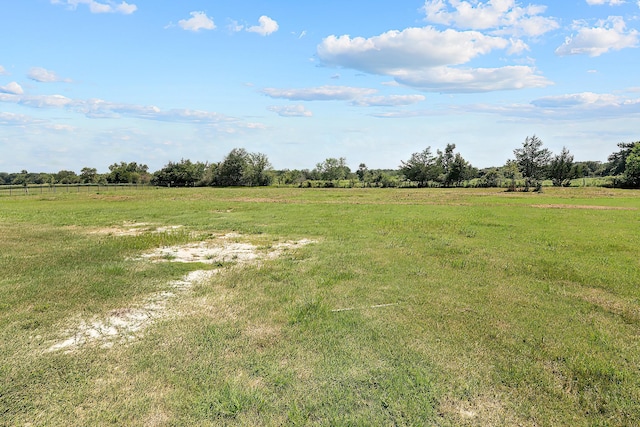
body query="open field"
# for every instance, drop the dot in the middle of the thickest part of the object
(267, 306)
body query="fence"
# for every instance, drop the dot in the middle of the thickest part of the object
(21, 190)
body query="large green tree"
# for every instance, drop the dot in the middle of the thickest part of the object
(421, 167)
(561, 169)
(532, 161)
(66, 177)
(632, 167)
(333, 169)
(88, 175)
(230, 171)
(453, 168)
(259, 171)
(618, 160)
(128, 173)
(241, 168)
(181, 174)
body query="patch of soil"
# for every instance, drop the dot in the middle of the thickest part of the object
(215, 252)
(124, 324)
(135, 229)
(127, 323)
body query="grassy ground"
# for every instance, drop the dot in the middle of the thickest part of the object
(413, 307)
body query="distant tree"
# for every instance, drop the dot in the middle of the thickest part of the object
(490, 178)
(532, 160)
(88, 175)
(561, 169)
(362, 172)
(181, 174)
(444, 162)
(128, 173)
(22, 178)
(230, 172)
(209, 177)
(590, 168)
(290, 177)
(66, 177)
(385, 178)
(333, 169)
(241, 168)
(511, 171)
(459, 170)
(421, 167)
(258, 170)
(618, 160)
(632, 167)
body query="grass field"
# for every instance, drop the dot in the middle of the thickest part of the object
(329, 307)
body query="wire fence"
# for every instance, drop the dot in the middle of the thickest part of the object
(22, 190)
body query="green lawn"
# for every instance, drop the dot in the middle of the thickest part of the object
(409, 307)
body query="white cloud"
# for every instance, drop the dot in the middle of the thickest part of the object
(43, 75)
(234, 26)
(474, 80)
(3, 72)
(517, 46)
(97, 7)
(37, 101)
(12, 88)
(98, 108)
(291, 111)
(198, 21)
(583, 100)
(265, 27)
(11, 119)
(423, 58)
(388, 101)
(609, 2)
(500, 16)
(585, 106)
(607, 35)
(407, 114)
(412, 48)
(61, 128)
(322, 93)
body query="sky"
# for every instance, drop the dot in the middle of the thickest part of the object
(90, 83)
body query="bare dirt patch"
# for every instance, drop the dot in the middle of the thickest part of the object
(219, 251)
(126, 324)
(134, 229)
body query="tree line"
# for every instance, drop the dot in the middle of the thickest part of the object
(531, 165)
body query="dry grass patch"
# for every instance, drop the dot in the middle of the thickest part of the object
(589, 207)
(484, 411)
(126, 324)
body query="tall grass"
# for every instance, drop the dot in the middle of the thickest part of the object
(413, 307)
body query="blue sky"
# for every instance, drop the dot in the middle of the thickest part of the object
(89, 83)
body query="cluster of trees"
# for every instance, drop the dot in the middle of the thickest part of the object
(119, 173)
(239, 168)
(532, 163)
(446, 169)
(536, 163)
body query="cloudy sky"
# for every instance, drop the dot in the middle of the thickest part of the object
(88, 83)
